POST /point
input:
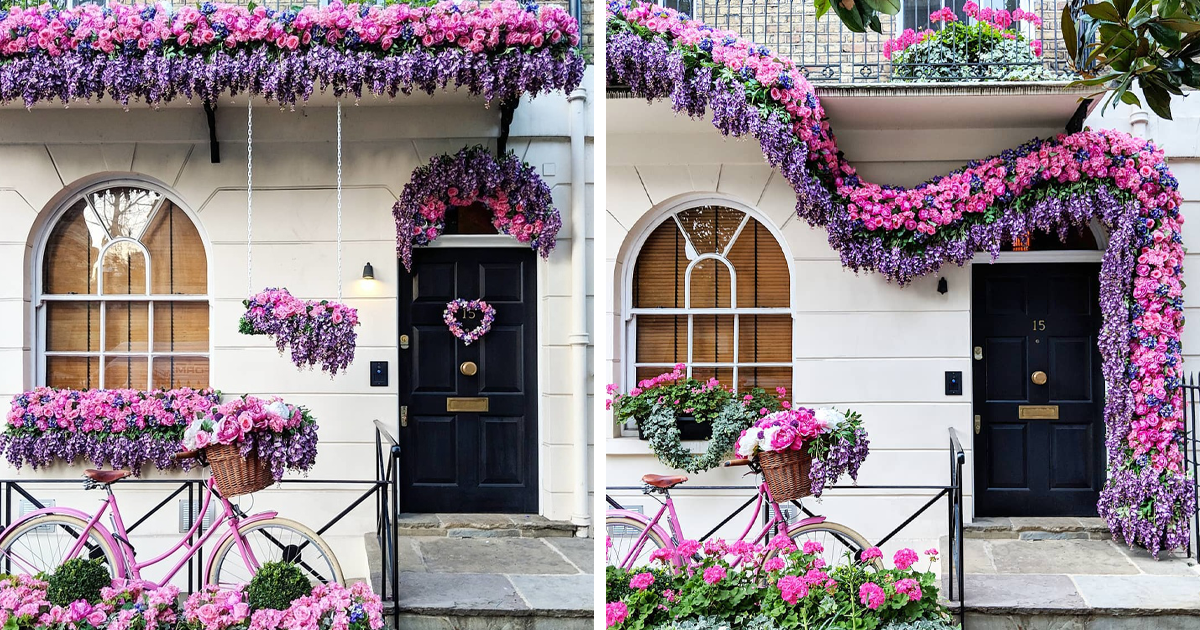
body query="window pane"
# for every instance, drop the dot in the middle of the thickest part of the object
(73, 326)
(761, 267)
(124, 270)
(74, 245)
(661, 338)
(767, 378)
(181, 326)
(180, 264)
(73, 372)
(172, 372)
(125, 372)
(126, 325)
(765, 338)
(710, 228)
(710, 285)
(658, 273)
(725, 375)
(125, 211)
(712, 339)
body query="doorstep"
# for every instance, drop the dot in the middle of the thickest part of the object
(509, 583)
(1055, 574)
(482, 526)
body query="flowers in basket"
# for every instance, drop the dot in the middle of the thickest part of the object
(328, 607)
(836, 440)
(282, 435)
(122, 428)
(318, 332)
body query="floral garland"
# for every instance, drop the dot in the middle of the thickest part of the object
(450, 316)
(148, 53)
(318, 332)
(518, 198)
(122, 428)
(283, 435)
(1052, 185)
(329, 606)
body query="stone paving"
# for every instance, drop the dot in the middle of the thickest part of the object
(495, 572)
(1053, 574)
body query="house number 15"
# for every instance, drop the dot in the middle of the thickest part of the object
(1039, 324)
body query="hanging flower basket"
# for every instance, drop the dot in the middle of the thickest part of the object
(250, 442)
(318, 332)
(787, 474)
(518, 199)
(237, 475)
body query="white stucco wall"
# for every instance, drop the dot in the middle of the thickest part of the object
(50, 148)
(858, 341)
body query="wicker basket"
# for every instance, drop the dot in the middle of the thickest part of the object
(787, 474)
(237, 475)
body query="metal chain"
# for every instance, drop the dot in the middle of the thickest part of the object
(339, 199)
(249, 192)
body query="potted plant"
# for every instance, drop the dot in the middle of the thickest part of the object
(801, 450)
(693, 402)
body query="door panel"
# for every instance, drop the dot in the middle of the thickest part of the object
(1029, 319)
(469, 461)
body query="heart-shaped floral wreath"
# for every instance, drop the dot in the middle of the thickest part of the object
(454, 307)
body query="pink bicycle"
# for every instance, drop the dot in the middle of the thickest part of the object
(633, 537)
(44, 539)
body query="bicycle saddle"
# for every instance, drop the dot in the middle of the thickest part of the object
(106, 476)
(663, 481)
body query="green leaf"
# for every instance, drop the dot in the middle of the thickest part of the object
(1103, 11)
(1181, 24)
(1068, 32)
(1158, 99)
(849, 16)
(875, 24)
(1164, 35)
(1129, 98)
(1167, 8)
(822, 7)
(887, 7)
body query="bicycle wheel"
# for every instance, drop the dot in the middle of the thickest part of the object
(836, 541)
(623, 534)
(274, 540)
(43, 543)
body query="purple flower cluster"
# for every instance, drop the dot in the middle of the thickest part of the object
(843, 457)
(118, 428)
(143, 52)
(518, 199)
(318, 332)
(1052, 185)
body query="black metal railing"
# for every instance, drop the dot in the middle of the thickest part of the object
(1191, 455)
(384, 488)
(952, 492)
(828, 52)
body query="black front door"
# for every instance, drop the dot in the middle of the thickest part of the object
(1038, 389)
(455, 456)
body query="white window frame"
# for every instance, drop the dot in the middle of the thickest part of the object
(41, 299)
(631, 313)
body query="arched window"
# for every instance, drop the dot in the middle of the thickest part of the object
(711, 289)
(123, 294)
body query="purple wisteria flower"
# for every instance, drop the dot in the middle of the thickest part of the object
(318, 332)
(517, 198)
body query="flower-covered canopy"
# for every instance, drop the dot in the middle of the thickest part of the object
(518, 199)
(1051, 185)
(156, 54)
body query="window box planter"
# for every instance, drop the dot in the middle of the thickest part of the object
(689, 429)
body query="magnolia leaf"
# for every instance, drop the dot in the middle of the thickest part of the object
(822, 7)
(1103, 11)
(1123, 6)
(1158, 99)
(1164, 35)
(848, 13)
(1130, 98)
(1068, 32)
(1180, 24)
(1168, 8)
(875, 24)
(887, 7)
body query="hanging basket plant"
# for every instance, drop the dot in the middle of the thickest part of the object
(319, 333)
(518, 199)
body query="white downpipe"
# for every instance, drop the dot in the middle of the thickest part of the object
(1139, 122)
(579, 338)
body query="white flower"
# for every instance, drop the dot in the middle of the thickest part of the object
(189, 436)
(280, 409)
(746, 444)
(831, 418)
(768, 437)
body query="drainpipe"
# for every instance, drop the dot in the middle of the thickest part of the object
(579, 338)
(1139, 120)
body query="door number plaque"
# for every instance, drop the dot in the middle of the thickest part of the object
(1037, 412)
(481, 405)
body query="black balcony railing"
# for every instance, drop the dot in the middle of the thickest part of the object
(829, 53)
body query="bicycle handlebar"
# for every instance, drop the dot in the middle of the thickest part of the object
(737, 462)
(186, 455)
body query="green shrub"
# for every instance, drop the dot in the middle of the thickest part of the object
(77, 579)
(276, 586)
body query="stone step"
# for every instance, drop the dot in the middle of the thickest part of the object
(1043, 528)
(483, 526)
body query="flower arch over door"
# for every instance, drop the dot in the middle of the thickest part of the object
(710, 287)
(122, 293)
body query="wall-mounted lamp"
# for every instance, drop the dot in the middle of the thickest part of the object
(368, 272)
(942, 287)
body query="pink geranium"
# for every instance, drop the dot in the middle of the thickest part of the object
(871, 595)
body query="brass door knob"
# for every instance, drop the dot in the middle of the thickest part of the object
(1038, 378)
(468, 368)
